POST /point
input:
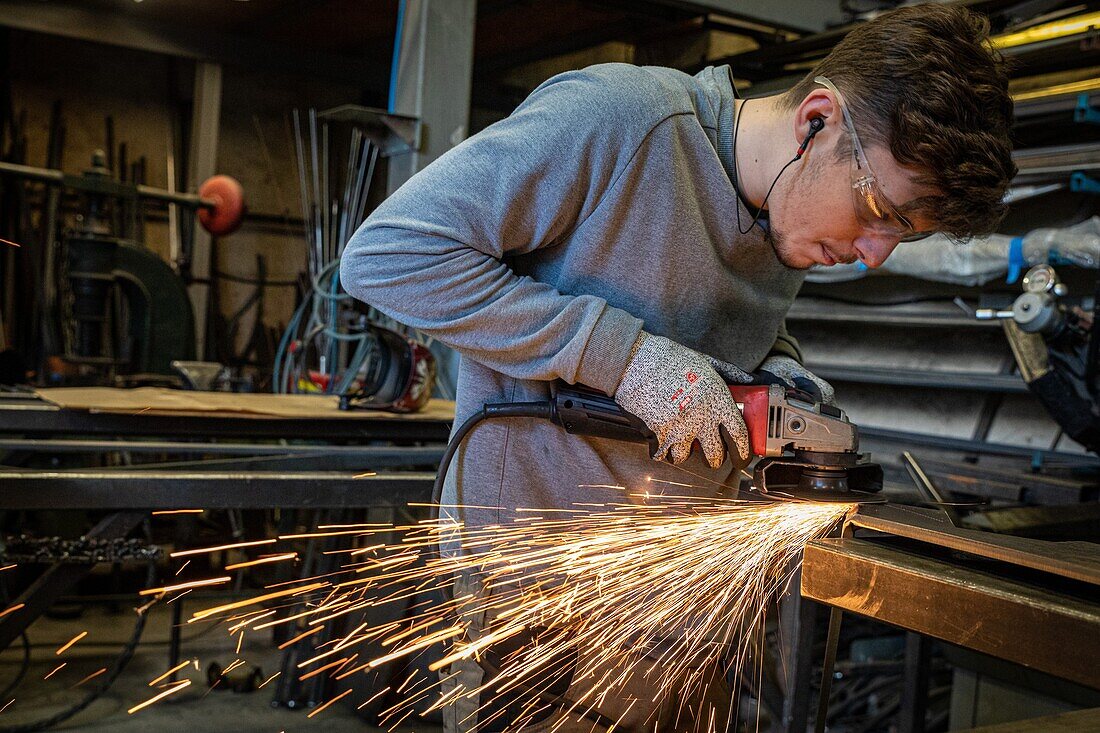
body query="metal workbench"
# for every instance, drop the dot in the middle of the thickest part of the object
(1031, 602)
(209, 460)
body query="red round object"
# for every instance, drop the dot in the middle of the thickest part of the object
(228, 211)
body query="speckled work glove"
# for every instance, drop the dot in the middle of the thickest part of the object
(789, 370)
(679, 394)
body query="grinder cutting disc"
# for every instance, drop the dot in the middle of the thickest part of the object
(822, 477)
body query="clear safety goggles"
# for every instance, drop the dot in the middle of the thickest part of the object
(873, 209)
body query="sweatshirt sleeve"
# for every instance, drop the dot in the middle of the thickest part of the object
(434, 255)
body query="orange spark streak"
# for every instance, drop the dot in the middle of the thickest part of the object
(311, 535)
(204, 550)
(263, 560)
(319, 670)
(173, 599)
(249, 619)
(362, 525)
(269, 679)
(233, 666)
(91, 677)
(178, 511)
(374, 697)
(299, 637)
(185, 564)
(171, 690)
(61, 650)
(170, 672)
(11, 609)
(55, 670)
(9, 702)
(324, 705)
(206, 613)
(182, 586)
(8, 567)
(13, 244)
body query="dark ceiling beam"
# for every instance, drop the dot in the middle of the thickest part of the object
(770, 62)
(71, 20)
(278, 14)
(500, 63)
(793, 15)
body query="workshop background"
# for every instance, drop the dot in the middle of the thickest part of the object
(178, 370)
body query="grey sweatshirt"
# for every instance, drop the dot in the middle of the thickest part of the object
(541, 246)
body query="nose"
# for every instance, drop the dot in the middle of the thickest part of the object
(874, 249)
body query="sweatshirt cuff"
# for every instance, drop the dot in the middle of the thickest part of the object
(786, 346)
(607, 353)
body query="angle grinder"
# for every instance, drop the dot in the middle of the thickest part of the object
(808, 450)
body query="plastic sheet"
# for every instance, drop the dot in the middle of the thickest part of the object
(982, 259)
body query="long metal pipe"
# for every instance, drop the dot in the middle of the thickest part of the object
(55, 177)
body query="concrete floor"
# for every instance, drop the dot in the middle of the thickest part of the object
(194, 710)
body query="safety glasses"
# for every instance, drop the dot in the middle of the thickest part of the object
(873, 209)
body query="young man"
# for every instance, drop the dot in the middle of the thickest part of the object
(607, 233)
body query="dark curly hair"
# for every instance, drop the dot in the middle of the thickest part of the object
(925, 82)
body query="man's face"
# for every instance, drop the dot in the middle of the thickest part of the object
(815, 221)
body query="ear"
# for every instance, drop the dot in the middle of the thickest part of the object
(818, 103)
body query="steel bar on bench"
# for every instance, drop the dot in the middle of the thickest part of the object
(142, 489)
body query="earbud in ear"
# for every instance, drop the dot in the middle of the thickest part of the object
(817, 124)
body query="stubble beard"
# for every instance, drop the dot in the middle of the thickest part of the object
(780, 244)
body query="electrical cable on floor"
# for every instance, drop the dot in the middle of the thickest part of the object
(114, 671)
(26, 664)
(24, 667)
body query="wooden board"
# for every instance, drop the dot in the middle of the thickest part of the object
(162, 401)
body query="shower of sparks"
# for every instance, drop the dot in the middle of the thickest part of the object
(67, 645)
(668, 593)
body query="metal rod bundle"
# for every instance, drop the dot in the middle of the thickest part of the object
(333, 198)
(334, 202)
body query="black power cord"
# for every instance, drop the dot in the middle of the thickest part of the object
(24, 667)
(118, 666)
(502, 409)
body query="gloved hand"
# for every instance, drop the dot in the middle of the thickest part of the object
(681, 396)
(788, 370)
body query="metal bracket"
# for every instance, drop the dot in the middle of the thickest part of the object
(393, 133)
(1085, 112)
